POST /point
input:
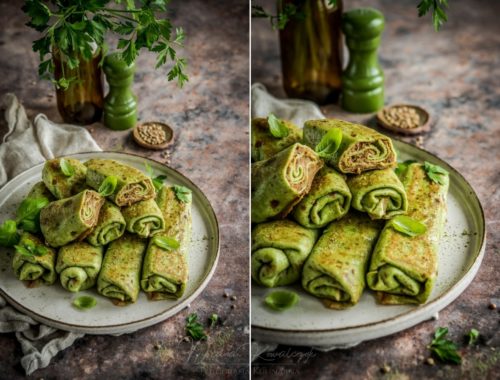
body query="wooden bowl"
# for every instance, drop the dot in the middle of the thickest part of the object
(424, 122)
(169, 134)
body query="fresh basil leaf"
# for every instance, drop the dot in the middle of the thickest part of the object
(440, 333)
(166, 243)
(214, 318)
(329, 143)
(195, 329)
(435, 173)
(84, 302)
(407, 225)
(158, 182)
(30, 208)
(108, 186)
(402, 166)
(67, 169)
(472, 336)
(281, 299)
(444, 349)
(23, 250)
(8, 233)
(183, 194)
(277, 127)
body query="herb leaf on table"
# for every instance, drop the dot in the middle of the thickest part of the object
(444, 349)
(472, 336)
(195, 329)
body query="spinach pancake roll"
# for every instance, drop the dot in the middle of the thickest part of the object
(165, 268)
(132, 185)
(329, 199)
(281, 181)
(144, 218)
(335, 270)
(265, 145)
(403, 269)
(78, 265)
(109, 227)
(119, 278)
(70, 219)
(279, 250)
(361, 148)
(64, 177)
(379, 193)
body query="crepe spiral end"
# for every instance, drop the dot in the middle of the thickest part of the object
(73, 279)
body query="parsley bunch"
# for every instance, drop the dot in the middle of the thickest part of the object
(74, 28)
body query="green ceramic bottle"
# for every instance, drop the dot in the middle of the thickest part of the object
(120, 105)
(363, 79)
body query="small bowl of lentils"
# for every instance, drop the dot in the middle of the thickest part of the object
(404, 118)
(153, 135)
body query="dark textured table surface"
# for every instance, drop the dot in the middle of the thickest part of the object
(456, 75)
(210, 119)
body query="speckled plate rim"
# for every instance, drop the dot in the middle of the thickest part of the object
(145, 322)
(353, 335)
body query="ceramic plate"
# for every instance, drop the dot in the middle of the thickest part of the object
(52, 304)
(461, 251)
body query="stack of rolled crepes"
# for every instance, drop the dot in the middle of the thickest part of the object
(89, 239)
(326, 221)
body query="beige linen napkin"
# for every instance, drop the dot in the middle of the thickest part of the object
(24, 146)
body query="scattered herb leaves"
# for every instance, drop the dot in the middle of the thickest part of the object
(277, 126)
(472, 336)
(84, 302)
(407, 225)
(108, 186)
(329, 143)
(195, 329)
(67, 169)
(435, 173)
(214, 318)
(281, 300)
(183, 193)
(444, 349)
(8, 233)
(166, 242)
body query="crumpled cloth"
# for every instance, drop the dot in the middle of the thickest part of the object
(24, 146)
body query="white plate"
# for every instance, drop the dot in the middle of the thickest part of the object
(52, 304)
(461, 251)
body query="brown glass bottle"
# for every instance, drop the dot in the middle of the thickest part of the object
(311, 52)
(82, 102)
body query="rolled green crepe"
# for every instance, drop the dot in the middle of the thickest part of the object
(132, 186)
(265, 145)
(329, 199)
(121, 269)
(281, 181)
(61, 185)
(403, 269)
(335, 270)
(165, 272)
(34, 268)
(279, 250)
(361, 149)
(78, 265)
(39, 190)
(70, 219)
(109, 227)
(379, 193)
(144, 218)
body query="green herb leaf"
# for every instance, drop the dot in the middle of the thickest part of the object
(183, 194)
(67, 169)
(84, 302)
(407, 225)
(435, 173)
(214, 318)
(438, 14)
(30, 208)
(281, 299)
(444, 349)
(166, 243)
(158, 182)
(277, 127)
(24, 250)
(329, 143)
(108, 186)
(402, 166)
(472, 336)
(8, 233)
(195, 329)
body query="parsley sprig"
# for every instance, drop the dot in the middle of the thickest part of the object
(73, 28)
(438, 11)
(195, 329)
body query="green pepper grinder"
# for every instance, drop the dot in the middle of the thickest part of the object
(120, 105)
(363, 79)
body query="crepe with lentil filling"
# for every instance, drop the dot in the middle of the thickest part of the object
(165, 272)
(121, 269)
(144, 218)
(329, 199)
(132, 185)
(36, 268)
(361, 149)
(109, 227)
(335, 270)
(78, 265)
(70, 219)
(60, 184)
(279, 249)
(281, 181)
(403, 269)
(379, 193)
(265, 145)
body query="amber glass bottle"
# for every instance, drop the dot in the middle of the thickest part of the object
(82, 102)
(311, 51)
